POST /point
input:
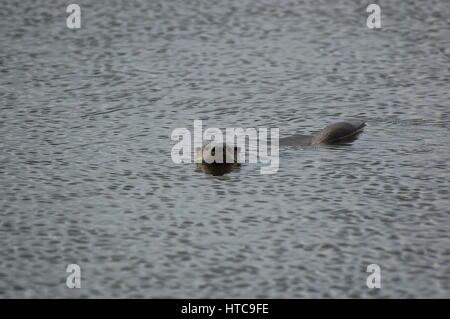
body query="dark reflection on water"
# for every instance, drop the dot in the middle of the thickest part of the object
(86, 175)
(217, 170)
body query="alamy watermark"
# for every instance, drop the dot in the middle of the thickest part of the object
(258, 150)
(374, 279)
(374, 19)
(74, 19)
(74, 279)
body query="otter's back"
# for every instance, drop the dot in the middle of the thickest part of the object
(338, 131)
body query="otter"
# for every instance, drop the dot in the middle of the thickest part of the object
(337, 133)
(219, 158)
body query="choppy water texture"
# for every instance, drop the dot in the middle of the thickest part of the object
(87, 178)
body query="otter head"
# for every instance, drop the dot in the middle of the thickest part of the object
(218, 153)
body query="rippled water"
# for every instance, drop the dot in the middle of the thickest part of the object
(87, 178)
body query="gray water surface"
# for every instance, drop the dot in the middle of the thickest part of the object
(86, 175)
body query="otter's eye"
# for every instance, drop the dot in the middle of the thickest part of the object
(213, 151)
